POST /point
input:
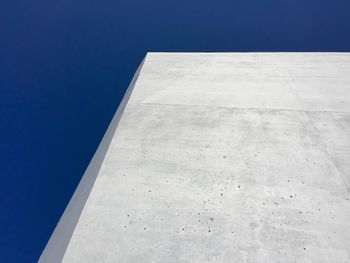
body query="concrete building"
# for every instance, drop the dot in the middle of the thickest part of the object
(219, 157)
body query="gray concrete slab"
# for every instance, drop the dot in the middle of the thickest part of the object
(225, 157)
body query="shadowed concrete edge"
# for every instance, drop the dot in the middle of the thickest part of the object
(60, 238)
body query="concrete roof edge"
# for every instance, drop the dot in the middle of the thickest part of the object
(61, 236)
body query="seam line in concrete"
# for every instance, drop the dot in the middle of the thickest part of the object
(237, 108)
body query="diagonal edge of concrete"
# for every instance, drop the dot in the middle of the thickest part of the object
(55, 248)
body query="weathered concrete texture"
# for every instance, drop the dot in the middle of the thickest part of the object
(226, 157)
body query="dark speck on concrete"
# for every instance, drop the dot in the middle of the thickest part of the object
(253, 224)
(212, 219)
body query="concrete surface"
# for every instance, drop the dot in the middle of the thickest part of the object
(225, 157)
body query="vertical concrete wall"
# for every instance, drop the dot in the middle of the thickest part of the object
(57, 245)
(225, 157)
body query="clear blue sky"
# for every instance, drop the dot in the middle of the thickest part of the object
(64, 67)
